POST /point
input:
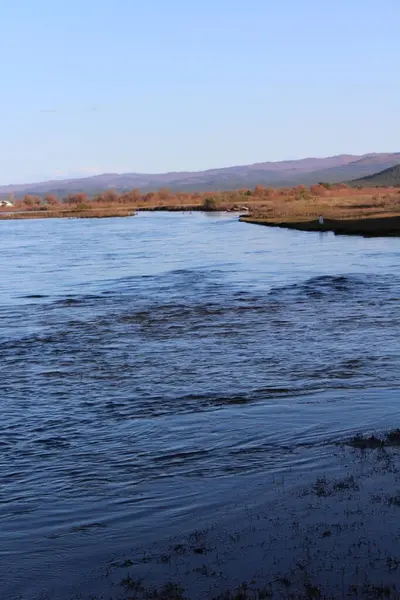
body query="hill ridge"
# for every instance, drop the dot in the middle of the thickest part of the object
(386, 177)
(306, 171)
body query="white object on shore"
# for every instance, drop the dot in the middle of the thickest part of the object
(321, 220)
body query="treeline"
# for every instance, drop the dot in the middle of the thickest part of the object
(219, 200)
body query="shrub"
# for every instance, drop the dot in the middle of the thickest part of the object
(210, 204)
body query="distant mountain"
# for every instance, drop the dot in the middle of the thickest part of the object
(307, 171)
(387, 177)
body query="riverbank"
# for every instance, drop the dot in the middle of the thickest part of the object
(367, 227)
(112, 212)
(68, 214)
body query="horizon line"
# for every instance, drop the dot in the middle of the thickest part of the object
(172, 172)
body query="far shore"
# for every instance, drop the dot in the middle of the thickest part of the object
(103, 213)
(67, 214)
(345, 210)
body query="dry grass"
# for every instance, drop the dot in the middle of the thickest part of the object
(345, 211)
(352, 206)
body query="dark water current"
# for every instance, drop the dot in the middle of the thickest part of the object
(157, 370)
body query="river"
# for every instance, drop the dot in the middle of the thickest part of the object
(160, 374)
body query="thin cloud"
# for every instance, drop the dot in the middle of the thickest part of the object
(83, 109)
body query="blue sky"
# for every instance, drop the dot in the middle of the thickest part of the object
(90, 86)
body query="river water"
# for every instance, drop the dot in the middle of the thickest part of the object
(158, 371)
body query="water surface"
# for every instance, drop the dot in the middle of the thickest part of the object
(157, 370)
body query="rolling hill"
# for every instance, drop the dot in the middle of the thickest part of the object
(387, 177)
(344, 167)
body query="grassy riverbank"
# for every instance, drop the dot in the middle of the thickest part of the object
(363, 212)
(91, 213)
(368, 227)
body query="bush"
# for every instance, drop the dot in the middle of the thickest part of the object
(82, 206)
(210, 204)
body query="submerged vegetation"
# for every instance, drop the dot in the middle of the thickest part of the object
(373, 442)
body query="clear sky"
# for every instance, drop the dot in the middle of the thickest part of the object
(90, 86)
